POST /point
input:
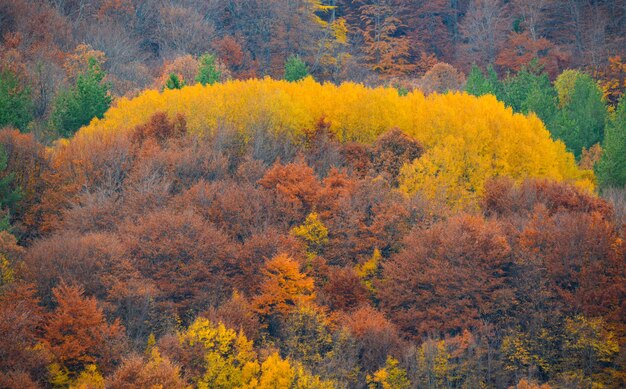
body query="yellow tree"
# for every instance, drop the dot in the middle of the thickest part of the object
(589, 349)
(230, 359)
(90, 378)
(391, 376)
(232, 363)
(313, 233)
(369, 271)
(281, 373)
(276, 373)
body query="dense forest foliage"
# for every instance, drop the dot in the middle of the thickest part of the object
(141, 44)
(312, 194)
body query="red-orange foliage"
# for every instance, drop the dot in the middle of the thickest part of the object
(256, 250)
(27, 161)
(376, 336)
(357, 158)
(239, 209)
(295, 188)
(160, 128)
(188, 259)
(503, 198)
(13, 252)
(77, 333)
(521, 48)
(612, 79)
(135, 372)
(385, 157)
(448, 278)
(20, 324)
(323, 149)
(158, 225)
(386, 49)
(344, 290)
(581, 258)
(191, 357)
(114, 164)
(229, 51)
(238, 314)
(102, 167)
(86, 260)
(337, 186)
(525, 384)
(184, 66)
(17, 379)
(100, 264)
(284, 287)
(391, 151)
(366, 217)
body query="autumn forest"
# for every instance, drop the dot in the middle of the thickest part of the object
(381, 194)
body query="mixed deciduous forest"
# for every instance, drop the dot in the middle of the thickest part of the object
(312, 194)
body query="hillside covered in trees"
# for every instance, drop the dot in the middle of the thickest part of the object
(312, 194)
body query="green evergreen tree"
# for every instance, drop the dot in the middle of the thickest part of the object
(611, 169)
(529, 91)
(207, 71)
(16, 104)
(479, 84)
(541, 99)
(295, 69)
(581, 121)
(88, 98)
(174, 82)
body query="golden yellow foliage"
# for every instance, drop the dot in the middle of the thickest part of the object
(231, 362)
(525, 384)
(468, 139)
(281, 373)
(589, 338)
(369, 271)
(7, 275)
(230, 359)
(389, 377)
(90, 378)
(565, 84)
(313, 233)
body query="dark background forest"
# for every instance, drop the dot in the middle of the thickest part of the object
(163, 256)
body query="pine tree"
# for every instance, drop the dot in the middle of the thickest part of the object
(580, 123)
(479, 84)
(15, 101)
(295, 69)
(87, 99)
(611, 170)
(531, 91)
(207, 71)
(174, 82)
